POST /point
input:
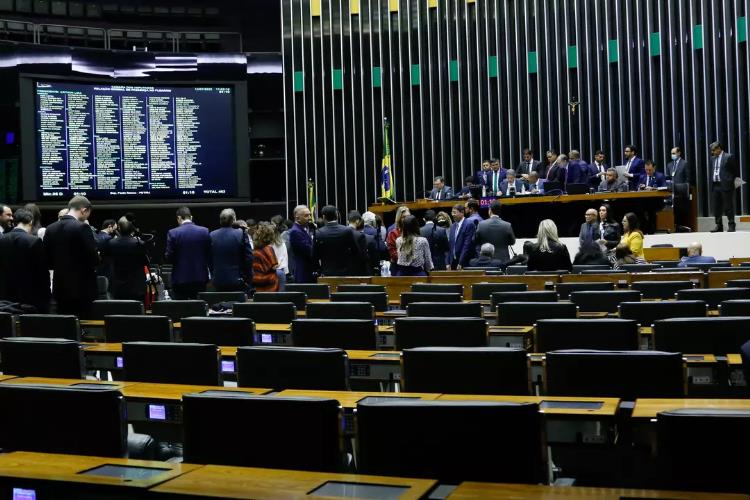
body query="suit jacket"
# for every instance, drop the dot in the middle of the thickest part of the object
(483, 261)
(128, 257)
(498, 232)
(500, 175)
(360, 264)
(657, 180)
(504, 186)
(461, 244)
(558, 258)
(594, 174)
(728, 170)
(619, 186)
(637, 168)
(437, 237)
(583, 234)
(445, 194)
(231, 257)
(301, 243)
(189, 251)
(578, 172)
(335, 249)
(679, 171)
(24, 276)
(482, 177)
(525, 168)
(557, 174)
(70, 250)
(696, 259)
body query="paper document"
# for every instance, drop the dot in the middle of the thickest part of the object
(621, 171)
(738, 182)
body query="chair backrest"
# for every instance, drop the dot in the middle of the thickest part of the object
(564, 289)
(738, 283)
(212, 298)
(341, 310)
(465, 370)
(360, 288)
(528, 313)
(483, 291)
(178, 309)
(557, 271)
(661, 289)
(608, 271)
(438, 288)
(293, 368)
(409, 297)
(101, 308)
(579, 268)
(266, 312)
(42, 357)
(147, 328)
(739, 307)
(724, 335)
(170, 363)
(440, 332)
(53, 326)
(60, 419)
(531, 296)
(603, 301)
(692, 449)
(379, 300)
(451, 441)
(7, 325)
(640, 268)
(102, 288)
(257, 431)
(445, 309)
(714, 296)
(312, 290)
(607, 334)
(623, 374)
(645, 313)
(336, 333)
(515, 270)
(299, 299)
(667, 264)
(223, 331)
(707, 266)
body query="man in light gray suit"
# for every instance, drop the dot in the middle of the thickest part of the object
(496, 231)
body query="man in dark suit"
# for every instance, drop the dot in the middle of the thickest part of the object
(24, 277)
(128, 256)
(680, 173)
(636, 166)
(511, 181)
(497, 174)
(578, 170)
(231, 255)
(466, 190)
(301, 242)
(558, 171)
(651, 179)
(437, 237)
(335, 247)
(528, 164)
(485, 259)
(589, 229)
(482, 178)
(440, 191)
(678, 170)
(461, 239)
(360, 264)
(189, 251)
(496, 231)
(71, 252)
(724, 171)
(598, 169)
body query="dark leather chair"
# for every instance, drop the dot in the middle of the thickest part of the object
(147, 328)
(739, 307)
(42, 357)
(440, 332)
(341, 310)
(409, 297)
(483, 291)
(514, 270)
(336, 333)
(259, 431)
(299, 299)
(557, 272)
(212, 298)
(720, 336)
(178, 309)
(579, 268)
(640, 268)
(714, 296)
(710, 266)
(692, 449)
(365, 288)
(679, 270)
(63, 419)
(7, 325)
(645, 313)
(266, 312)
(607, 334)
(528, 313)
(667, 264)
(445, 309)
(450, 441)
(220, 331)
(170, 363)
(661, 289)
(531, 296)
(101, 308)
(465, 370)
(564, 289)
(745, 283)
(51, 326)
(628, 375)
(603, 301)
(102, 288)
(312, 290)
(438, 288)
(379, 300)
(293, 368)
(608, 271)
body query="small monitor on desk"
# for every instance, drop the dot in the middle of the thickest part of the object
(552, 187)
(577, 188)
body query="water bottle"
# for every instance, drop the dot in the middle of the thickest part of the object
(385, 268)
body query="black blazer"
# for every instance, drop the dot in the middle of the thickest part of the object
(128, 255)
(679, 172)
(611, 234)
(335, 248)
(558, 258)
(24, 276)
(437, 237)
(728, 170)
(70, 250)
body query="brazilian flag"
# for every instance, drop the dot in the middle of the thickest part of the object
(312, 200)
(387, 176)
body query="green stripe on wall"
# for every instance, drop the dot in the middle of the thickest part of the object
(532, 61)
(655, 44)
(572, 56)
(741, 29)
(698, 36)
(613, 51)
(299, 81)
(492, 66)
(453, 70)
(377, 76)
(338, 79)
(415, 74)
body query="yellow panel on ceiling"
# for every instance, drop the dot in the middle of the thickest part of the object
(315, 7)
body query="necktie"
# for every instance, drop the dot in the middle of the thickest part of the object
(716, 168)
(494, 182)
(438, 195)
(648, 181)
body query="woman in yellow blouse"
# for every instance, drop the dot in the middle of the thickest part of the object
(632, 236)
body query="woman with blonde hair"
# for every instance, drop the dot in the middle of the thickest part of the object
(265, 263)
(549, 253)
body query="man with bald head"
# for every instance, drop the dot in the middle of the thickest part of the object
(231, 255)
(590, 228)
(301, 243)
(695, 256)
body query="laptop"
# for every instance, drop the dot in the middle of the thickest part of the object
(577, 188)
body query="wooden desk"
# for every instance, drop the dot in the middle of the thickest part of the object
(615, 278)
(244, 482)
(718, 279)
(6, 377)
(174, 392)
(608, 406)
(64, 381)
(696, 277)
(497, 491)
(349, 399)
(648, 408)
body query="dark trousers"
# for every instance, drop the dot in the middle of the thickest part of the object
(187, 291)
(723, 204)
